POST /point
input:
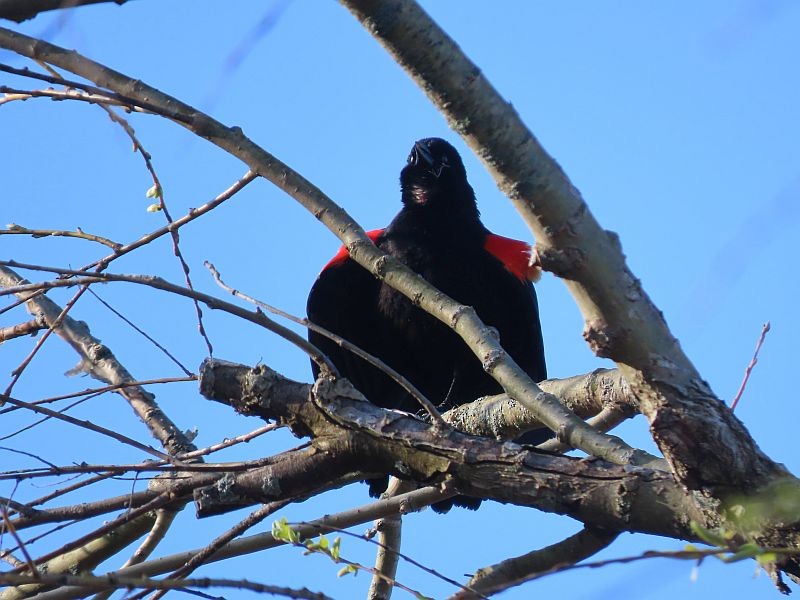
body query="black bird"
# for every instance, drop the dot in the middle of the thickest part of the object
(439, 235)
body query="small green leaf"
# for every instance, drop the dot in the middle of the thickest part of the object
(708, 536)
(347, 569)
(767, 558)
(283, 532)
(154, 208)
(335, 549)
(748, 550)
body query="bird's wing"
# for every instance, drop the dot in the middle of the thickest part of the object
(524, 344)
(344, 300)
(343, 254)
(514, 254)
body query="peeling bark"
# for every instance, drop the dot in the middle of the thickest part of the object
(373, 440)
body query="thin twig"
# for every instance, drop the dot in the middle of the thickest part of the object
(162, 205)
(116, 470)
(99, 361)
(68, 489)
(104, 389)
(164, 519)
(9, 526)
(239, 439)
(426, 404)
(177, 223)
(764, 329)
(36, 538)
(88, 582)
(393, 550)
(122, 99)
(42, 420)
(31, 327)
(15, 94)
(92, 427)
(52, 326)
(14, 229)
(725, 555)
(143, 333)
(220, 541)
(361, 514)
(258, 317)
(159, 501)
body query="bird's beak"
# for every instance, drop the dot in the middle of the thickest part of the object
(421, 152)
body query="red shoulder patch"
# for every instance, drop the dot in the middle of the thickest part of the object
(514, 254)
(343, 254)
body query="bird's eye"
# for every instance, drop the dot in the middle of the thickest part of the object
(410, 158)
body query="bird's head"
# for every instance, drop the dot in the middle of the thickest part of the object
(433, 172)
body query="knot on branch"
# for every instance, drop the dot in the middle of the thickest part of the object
(602, 338)
(564, 262)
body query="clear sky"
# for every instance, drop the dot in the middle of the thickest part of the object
(679, 123)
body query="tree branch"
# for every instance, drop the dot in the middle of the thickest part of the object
(99, 361)
(585, 395)
(515, 571)
(373, 440)
(401, 504)
(621, 321)
(462, 319)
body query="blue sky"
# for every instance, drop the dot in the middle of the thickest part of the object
(679, 123)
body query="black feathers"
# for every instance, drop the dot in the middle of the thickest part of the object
(438, 234)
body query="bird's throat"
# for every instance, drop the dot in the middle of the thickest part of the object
(420, 195)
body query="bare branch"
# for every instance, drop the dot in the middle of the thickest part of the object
(104, 389)
(389, 530)
(362, 514)
(177, 223)
(222, 540)
(14, 229)
(98, 360)
(83, 555)
(258, 317)
(621, 322)
(165, 517)
(85, 583)
(31, 327)
(515, 571)
(342, 425)
(9, 526)
(87, 425)
(426, 404)
(502, 418)
(750, 366)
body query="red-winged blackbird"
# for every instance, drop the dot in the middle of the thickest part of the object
(438, 234)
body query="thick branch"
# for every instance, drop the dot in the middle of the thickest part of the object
(515, 571)
(585, 395)
(688, 422)
(380, 441)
